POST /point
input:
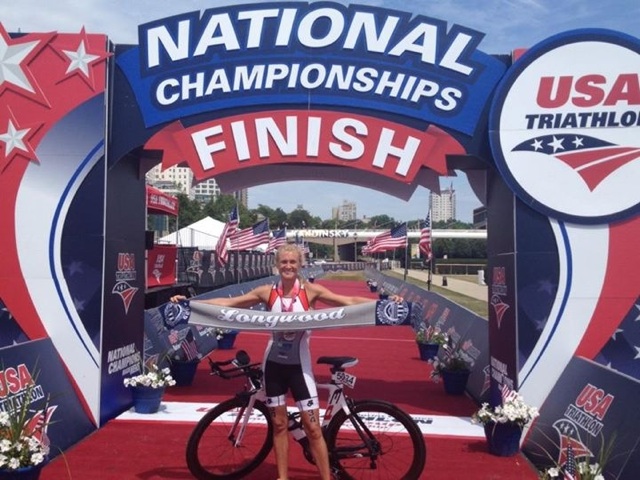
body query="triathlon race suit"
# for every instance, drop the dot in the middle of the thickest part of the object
(288, 358)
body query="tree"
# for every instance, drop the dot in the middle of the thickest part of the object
(300, 218)
(381, 222)
(190, 211)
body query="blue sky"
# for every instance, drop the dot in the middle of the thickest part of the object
(507, 24)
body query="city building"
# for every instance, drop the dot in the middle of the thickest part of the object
(176, 180)
(345, 212)
(206, 190)
(443, 205)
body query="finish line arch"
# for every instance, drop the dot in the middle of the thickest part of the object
(264, 92)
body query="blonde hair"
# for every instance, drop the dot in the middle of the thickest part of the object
(290, 248)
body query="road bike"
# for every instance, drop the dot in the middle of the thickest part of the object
(366, 439)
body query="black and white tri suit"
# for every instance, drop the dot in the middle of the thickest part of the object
(287, 363)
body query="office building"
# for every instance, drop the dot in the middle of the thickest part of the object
(443, 205)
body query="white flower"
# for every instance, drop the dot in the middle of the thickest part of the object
(37, 458)
(154, 378)
(553, 472)
(514, 410)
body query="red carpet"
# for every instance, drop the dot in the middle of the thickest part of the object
(389, 369)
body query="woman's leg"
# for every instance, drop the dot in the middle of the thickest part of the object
(281, 440)
(313, 429)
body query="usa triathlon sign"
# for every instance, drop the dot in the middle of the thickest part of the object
(566, 134)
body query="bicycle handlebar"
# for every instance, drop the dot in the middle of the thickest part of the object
(242, 367)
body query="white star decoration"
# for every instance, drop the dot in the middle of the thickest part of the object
(556, 144)
(10, 58)
(80, 59)
(577, 142)
(537, 144)
(13, 138)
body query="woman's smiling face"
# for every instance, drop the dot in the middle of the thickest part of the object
(288, 265)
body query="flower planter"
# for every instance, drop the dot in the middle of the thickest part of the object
(22, 473)
(227, 341)
(455, 381)
(428, 351)
(146, 399)
(373, 288)
(184, 372)
(503, 439)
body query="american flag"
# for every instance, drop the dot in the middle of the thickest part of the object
(189, 346)
(424, 245)
(278, 239)
(570, 466)
(302, 245)
(229, 229)
(251, 237)
(394, 238)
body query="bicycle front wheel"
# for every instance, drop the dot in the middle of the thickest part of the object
(376, 440)
(219, 448)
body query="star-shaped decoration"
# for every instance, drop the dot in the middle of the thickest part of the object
(79, 304)
(537, 144)
(556, 144)
(638, 317)
(618, 330)
(82, 57)
(637, 352)
(75, 267)
(15, 57)
(15, 140)
(578, 142)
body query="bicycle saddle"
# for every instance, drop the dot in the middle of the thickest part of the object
(338, 362)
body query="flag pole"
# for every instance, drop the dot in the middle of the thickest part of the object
(406, 256)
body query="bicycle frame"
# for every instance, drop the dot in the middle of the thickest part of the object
(336, 400)
(256, 393)
(355, 438)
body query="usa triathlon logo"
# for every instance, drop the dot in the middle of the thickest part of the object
(565, 136)
(590, 157)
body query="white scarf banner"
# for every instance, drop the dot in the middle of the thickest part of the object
(382, 312)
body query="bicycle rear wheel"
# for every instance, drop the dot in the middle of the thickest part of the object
(376, 441)
(213, 450)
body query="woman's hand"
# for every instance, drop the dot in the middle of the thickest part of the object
(396, 298)
(177, 298)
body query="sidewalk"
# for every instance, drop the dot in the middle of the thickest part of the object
(470, 289)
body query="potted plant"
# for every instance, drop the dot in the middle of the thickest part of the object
(589, 466)
(22, 451)
(503, 423)
(226, 338)
(452, 367)
(148, 388)
(429, 340)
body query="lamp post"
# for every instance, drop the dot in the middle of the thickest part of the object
(355, 246)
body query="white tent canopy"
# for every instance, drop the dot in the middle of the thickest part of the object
(203, 234)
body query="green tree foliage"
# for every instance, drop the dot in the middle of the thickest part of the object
(190, 211)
